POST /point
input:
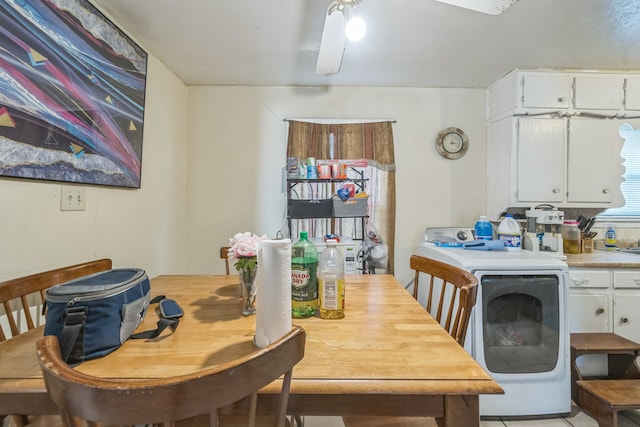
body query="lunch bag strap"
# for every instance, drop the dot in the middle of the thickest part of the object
(73, 325)
(166, 321)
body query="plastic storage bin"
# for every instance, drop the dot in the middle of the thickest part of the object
(352, 207)
(300, 209)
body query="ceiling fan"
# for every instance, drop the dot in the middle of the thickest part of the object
(334, 36)
(341, 13)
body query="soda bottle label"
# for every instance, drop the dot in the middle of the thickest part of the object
(304, 283)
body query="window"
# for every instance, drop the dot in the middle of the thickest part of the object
(368, 140)
(630, 186)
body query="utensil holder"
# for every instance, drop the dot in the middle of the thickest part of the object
(586, 246)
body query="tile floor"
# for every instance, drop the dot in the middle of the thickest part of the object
(577, 418)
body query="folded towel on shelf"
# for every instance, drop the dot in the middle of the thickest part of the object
(485, 245)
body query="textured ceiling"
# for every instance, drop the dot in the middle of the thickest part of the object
(412, 43)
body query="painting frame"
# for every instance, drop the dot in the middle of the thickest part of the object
(72, 95)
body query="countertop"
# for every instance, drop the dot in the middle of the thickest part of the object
(604, 259)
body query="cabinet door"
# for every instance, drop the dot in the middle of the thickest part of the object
(632, 94)
(626, 317)
(589, 313)
(546, 91)
(541, 159)
(594, 147)
(599, 92)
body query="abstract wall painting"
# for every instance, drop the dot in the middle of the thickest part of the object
(72, 91)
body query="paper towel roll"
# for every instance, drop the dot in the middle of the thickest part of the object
(273, 294)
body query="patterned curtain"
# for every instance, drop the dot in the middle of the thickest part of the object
(356, 141)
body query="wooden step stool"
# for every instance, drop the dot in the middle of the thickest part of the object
(603, 397)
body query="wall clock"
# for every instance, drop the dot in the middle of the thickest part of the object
(452, 143)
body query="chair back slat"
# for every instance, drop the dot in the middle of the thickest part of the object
(120, 402)
(17, 295)
(457, 291)
(441, 303)
(450, 307)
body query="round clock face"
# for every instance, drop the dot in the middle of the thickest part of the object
(452, 143)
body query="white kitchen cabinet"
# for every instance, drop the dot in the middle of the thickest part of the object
(524, 92)
(599, 92)
(626, 300)
(593, 157)
(541, 146)
(626, 279)
(591, 310)
(605, 300)
(552, 137)
(632, 94)
(589, 302)
(564, 92)
(547, 91)
(589, 313)
(590, 278)
(626, 316)
(626, 320)
(567, 162)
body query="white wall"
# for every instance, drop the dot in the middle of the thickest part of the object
(228, 178)
(136, 228)
(237, 142)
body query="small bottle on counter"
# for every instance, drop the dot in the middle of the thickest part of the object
(571, 237)
(510, 233)
(483, 229)
(331, 282)
(610, 235)
(304, 277)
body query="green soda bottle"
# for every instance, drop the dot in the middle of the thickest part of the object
(304, 277)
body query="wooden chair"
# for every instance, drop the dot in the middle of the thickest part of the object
(22, 298)
(164, 400)
(450, 298)
(461, 288)
(224, 254)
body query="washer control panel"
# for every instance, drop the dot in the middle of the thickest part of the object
(449, 234)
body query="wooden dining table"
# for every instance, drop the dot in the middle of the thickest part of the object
(388, 356)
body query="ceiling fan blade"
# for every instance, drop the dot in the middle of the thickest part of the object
(332, 43)
(492, 7)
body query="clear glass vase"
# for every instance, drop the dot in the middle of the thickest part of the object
(248, 287)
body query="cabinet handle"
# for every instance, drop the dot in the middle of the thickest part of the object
(555, 190)
(580, 282)
(599, 311)
(561, 99)
(605, 191)
(624, 320)
(636, 281)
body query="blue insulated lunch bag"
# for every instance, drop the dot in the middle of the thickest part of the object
(94, 315)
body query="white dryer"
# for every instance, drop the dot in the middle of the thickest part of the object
(519, 329)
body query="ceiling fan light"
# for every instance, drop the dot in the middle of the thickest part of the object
(356, 29)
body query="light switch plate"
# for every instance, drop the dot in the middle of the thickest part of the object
(72, 198)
